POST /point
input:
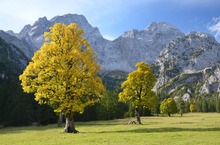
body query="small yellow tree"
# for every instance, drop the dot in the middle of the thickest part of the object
(138, 89)
(63, 73)
(168, 106)
(192, 108)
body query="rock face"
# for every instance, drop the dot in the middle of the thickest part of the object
(12, 59)
(20, 43)
(145, 45)
(189, 63)
(202, 83)
(121, 54)
(35, 33)
(212, 80)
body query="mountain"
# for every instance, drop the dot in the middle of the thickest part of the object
(120, 54)
(189, 64)
(34, 34)
(145, 45)
(178, 60)
(12, 59)
(22, 44)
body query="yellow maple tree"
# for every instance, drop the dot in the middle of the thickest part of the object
(138, 89)
(63, 73)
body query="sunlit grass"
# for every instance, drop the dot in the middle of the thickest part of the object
(192, 128)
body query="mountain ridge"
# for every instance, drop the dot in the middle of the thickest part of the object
(173, 55)
(189, 63)
(112, 55)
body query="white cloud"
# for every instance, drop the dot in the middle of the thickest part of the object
(214, 27)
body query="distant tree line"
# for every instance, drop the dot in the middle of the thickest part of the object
(19, 109)
(205, 104)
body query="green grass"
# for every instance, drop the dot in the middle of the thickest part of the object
(191, 129)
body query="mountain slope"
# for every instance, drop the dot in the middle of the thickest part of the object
(120, 54)
(12, 60)
(22, 44)
(189, 64)
(146, 45)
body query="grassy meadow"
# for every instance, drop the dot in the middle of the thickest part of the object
(192, 128)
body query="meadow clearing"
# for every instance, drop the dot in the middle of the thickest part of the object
(191, 128)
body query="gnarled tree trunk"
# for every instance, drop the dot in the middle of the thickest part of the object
(69, 127)
(138, 114)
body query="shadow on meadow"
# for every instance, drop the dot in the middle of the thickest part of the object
(163, 129)
(139, 130)
(16, 130)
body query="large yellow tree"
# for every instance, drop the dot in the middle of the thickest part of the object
(138, 89)
(63, 73)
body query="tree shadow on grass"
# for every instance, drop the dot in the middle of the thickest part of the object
(139, 130)
(164, 129)
(16, 130)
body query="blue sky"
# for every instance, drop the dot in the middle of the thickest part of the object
(114, 17)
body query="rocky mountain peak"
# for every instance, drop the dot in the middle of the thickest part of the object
(200, 36)
(41, 21)
(34, 34)
(146, 45)
(189, 63)
(75, 18)
(39, 27)
(160, 27)
(140, 45)
(189, 54)
(25, 30)
(130, 34)
(69, 18)
(134, 45)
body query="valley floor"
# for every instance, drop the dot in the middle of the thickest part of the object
(192, 128)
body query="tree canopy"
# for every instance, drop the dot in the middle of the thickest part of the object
(63, 73)
(138, 88)
(168, 106)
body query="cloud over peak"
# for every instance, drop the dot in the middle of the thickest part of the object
(214, 27)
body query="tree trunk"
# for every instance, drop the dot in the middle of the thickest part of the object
(181, 113)
(69, 127)
(138, 115)
(169, 114)
(60, 120)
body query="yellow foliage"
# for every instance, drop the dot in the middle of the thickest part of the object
(63, 73)
(138, 87)
(192, 108)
